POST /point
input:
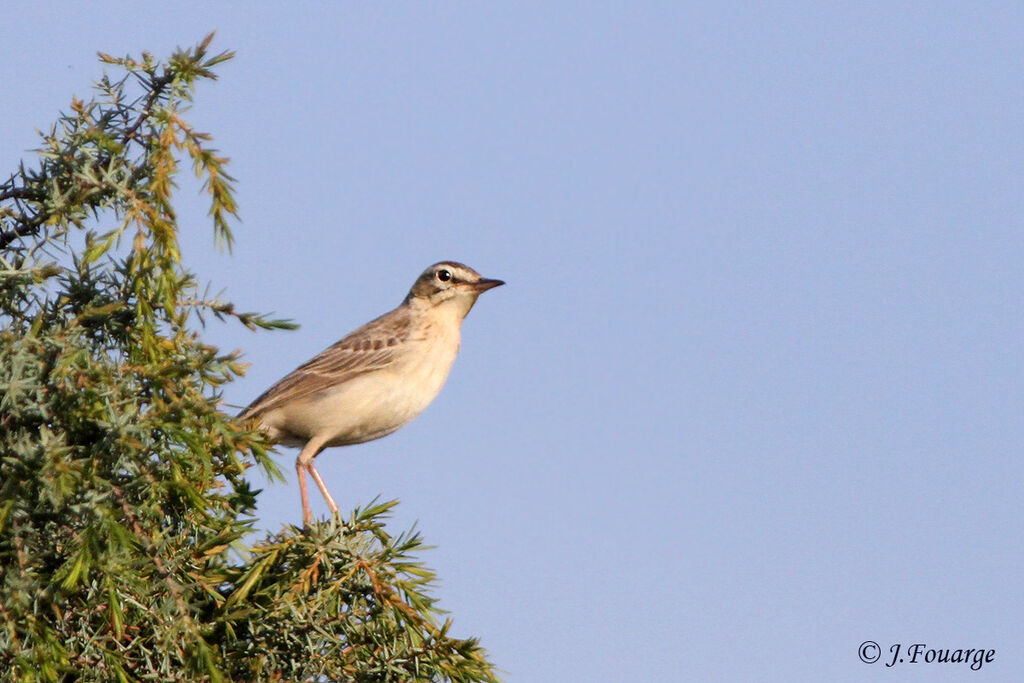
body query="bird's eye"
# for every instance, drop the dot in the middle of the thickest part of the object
(444, 275)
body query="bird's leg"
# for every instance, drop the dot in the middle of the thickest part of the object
(323, 488)
(303, 463)
(307, 514)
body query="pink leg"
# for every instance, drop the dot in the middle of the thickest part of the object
(323, 488)
(303, 463)
(307, 514)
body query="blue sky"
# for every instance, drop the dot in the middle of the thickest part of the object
(753, 394)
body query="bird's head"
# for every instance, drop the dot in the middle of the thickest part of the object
(449, 283)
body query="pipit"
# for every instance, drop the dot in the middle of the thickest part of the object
(376, 379)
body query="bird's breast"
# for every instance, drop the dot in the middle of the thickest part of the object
(419, 376)
(373, 405)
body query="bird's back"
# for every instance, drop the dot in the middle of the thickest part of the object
(365, 386)
(370, 348)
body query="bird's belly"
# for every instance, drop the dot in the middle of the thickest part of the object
(370, 406)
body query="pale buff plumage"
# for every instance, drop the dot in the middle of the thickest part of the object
(376, 379)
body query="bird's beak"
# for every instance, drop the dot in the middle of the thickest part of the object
(483, 284)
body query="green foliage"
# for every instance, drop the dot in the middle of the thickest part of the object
(123, 502)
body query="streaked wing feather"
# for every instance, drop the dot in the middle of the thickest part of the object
(370, 348)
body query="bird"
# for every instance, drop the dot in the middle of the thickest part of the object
(376, 379)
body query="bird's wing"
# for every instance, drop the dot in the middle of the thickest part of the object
(372, 347)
